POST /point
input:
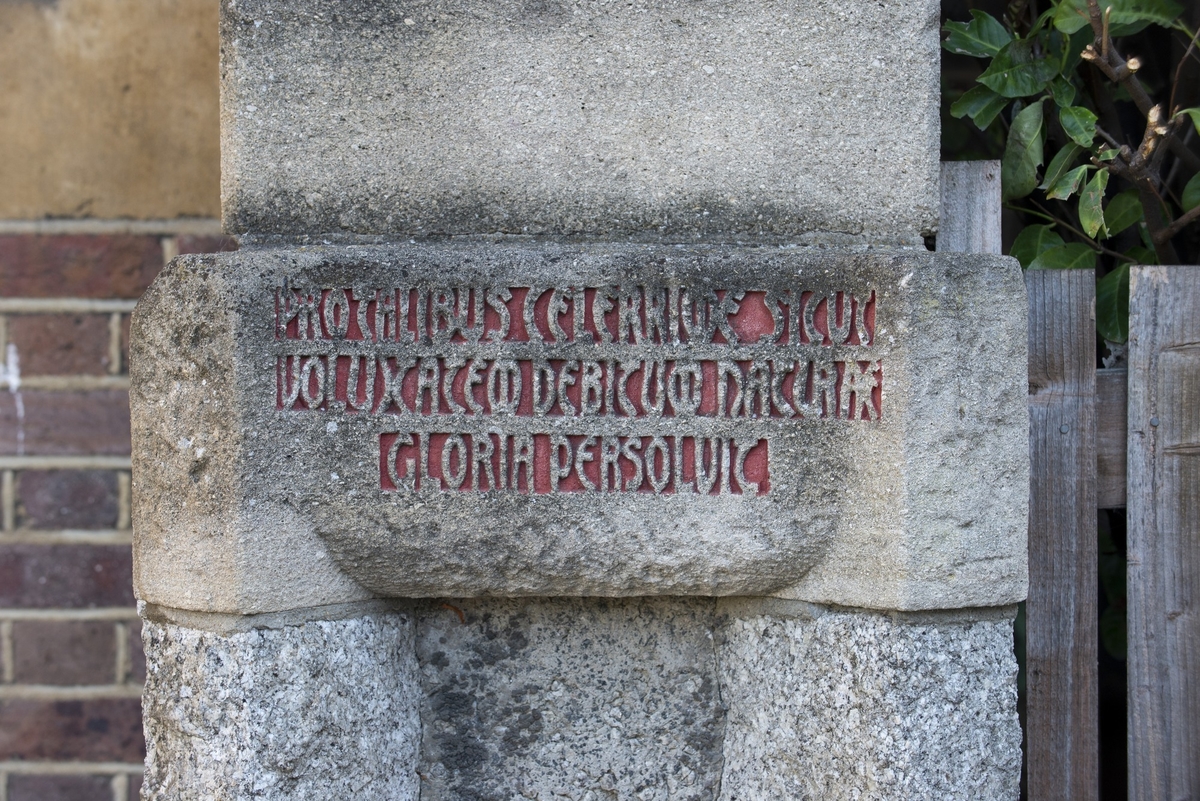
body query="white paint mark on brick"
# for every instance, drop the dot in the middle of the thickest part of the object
(10, 374)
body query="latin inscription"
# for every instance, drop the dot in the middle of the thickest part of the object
(541, 390)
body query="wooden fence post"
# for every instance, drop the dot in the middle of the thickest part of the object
(1164, 533)
(971, 207)
(1061, 624)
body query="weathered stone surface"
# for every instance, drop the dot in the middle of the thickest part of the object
(838, 705)
(327, 709)
(798, 120)
(651, 698)
(569, 698)
(914, 498)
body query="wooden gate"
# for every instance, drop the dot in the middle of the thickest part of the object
(1104, 439)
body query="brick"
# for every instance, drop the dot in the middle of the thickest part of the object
(75, 652)
(83, 266)
(137, 657)
(206, 244)
(67, 499)
(60, 344)
(31, 787)
(65, 576)
(97, 730)
(126, 321)
(64, 423)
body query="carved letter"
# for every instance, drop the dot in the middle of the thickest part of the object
(584, 454)
(454, 479)
(498, 298)
(560, 468)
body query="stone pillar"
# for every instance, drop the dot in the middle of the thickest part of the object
(584, 417)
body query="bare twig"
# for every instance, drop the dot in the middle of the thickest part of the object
(1179, 71)
(1115, 68)
(1107, 137)
(1181, 222)
(1096, 18)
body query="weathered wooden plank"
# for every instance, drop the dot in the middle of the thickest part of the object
(1061, 629)
(1112, 404)
(1164, 533)
(970, 207)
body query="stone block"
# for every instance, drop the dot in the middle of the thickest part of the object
(872, 457)
(662, 699)
(326, 709)
(846, 705)
(784, 120)
(549, 698)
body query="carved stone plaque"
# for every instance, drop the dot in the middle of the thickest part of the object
(602, 420)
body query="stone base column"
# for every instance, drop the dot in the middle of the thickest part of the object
(324, 709)
(587, 699)
(830, 705)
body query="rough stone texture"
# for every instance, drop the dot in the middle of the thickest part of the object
(590, 699)
(922, 508)
(803, 120)
(326, 709)
(852, 705)
(569, 698)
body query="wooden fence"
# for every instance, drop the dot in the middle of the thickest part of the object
(1105, 439)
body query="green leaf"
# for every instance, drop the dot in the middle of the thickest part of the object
(1112, 305)
(1142, 255)
(1079, 123)
(1091, 209)
(1191, 193)
(980, 104)
(1065, 257)
(1060, 165)
(1023, 153)
(1194, 113)
(1107, 155)
(1127, 16)
(1122, 211)
(1070, 16)
(1147, 240)
(1069, 183)
(983, 36)
(1017, 72)
(1063, 92)
(1032, 242)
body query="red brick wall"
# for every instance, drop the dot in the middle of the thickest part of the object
(71, 665)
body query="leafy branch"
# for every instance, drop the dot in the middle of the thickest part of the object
(1058, 80)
